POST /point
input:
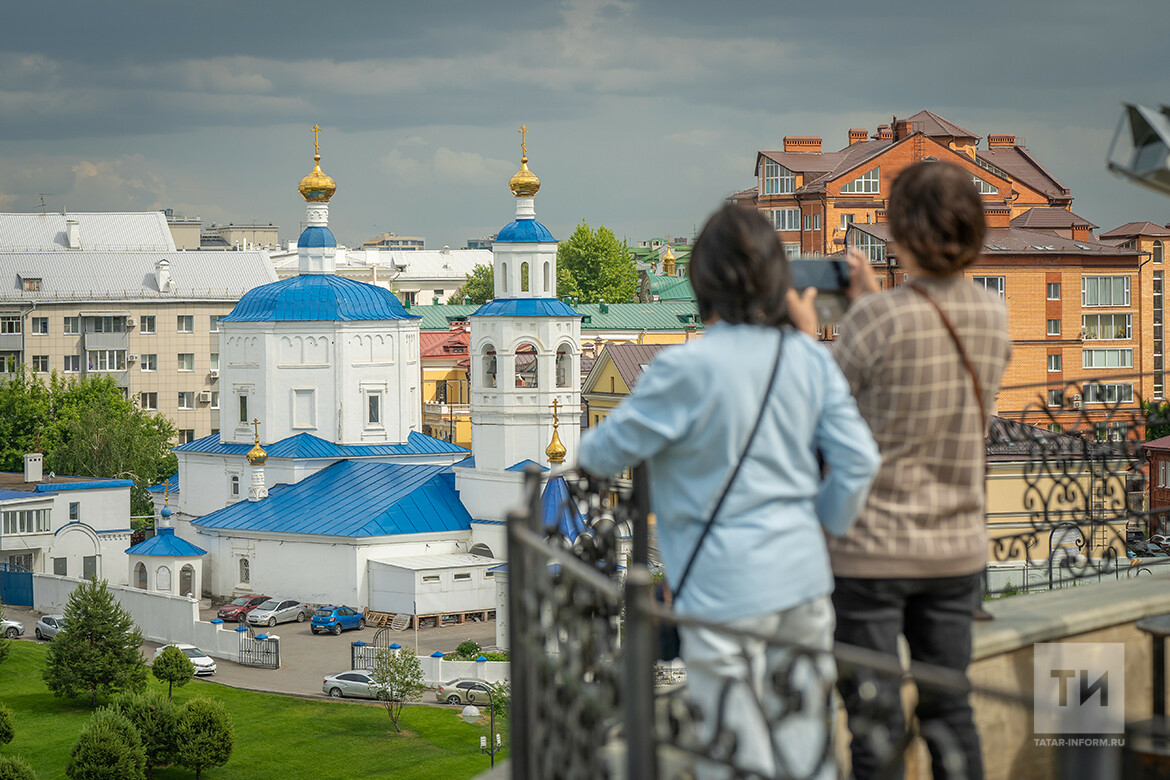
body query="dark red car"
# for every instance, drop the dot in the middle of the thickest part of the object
(237, 611)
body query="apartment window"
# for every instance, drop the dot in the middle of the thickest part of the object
(40, 326)
(984, 187)
(243, 408)
(808, 221)
(9, 325)
(791, 250)
(778, 180)
(148, 401)
(1054, 362)
(213, 325)
(187, 400)
(868, 183)
(72, 364)
(846, 221)
(186, 435)
(186, 323)
(1056, 427)
(107, 360)
(214, 399)
(1104, 291)
(148, 362)
(1106, 327)
(1056, 398)
(374, 409)
(992, 283)
(146, 324)
(1054, 291)
(9, 362)
(1054, 327)
(74, 510)
(1107, 358)
(1157, 253)
(816, 221)
(40, 364)
(213, 363)
(107, 324)
(786, 219)
(186, 361)
(871, 247)
(71, 326)
(1108, 392)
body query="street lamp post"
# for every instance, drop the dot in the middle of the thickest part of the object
(470, 715)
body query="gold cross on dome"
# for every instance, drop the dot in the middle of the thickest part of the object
(256, 425)
(316, 139)
(554, 406)
(523, 139)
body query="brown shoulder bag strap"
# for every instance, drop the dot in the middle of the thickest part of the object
(959, 346)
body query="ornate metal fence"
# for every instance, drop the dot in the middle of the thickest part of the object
(259, 650)
(362, 655)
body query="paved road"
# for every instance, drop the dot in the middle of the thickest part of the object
(306, 658)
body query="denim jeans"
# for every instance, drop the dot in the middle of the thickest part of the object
(935, 615)
(774, 702)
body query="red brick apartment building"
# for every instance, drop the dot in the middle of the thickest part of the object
(1084, 311)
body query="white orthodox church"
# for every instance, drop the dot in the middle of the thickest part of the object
(320, 485)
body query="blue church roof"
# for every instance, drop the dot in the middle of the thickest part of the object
(525, 307)
(164, 542)
(316, 236)
(168, 485)
(524, 231)
(315, 297)
(521, 465)
(305, 445)
(559, 510)
(354, 499)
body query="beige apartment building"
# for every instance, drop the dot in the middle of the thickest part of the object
(109, 294)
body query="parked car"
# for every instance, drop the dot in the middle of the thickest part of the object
(49, 626)
(11, 629)
(276, 611)
(203, 663)
(239, 608)
(355, 683)
(337, 619)
(463, 690)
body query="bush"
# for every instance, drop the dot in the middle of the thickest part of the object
(156, 719)
(108, 748)
(173, 668)
(205, 735)
(16, 768)
(6, 730)
(467, 651)
(399, 677)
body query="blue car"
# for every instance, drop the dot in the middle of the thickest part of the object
(337, 619)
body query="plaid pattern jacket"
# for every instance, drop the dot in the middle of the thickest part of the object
(925, 513)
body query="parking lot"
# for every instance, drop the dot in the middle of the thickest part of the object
(306, 658)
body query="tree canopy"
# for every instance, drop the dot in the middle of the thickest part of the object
(157, 721)
(99, 651)
(592, 266)
(206, 735)
(399, 677)
(173, 668)
(108, 748)
(85, 427)
(479, 287)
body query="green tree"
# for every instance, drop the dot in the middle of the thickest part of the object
(173, 668)
(157, 722)
(479, 287)
(399, 677)
(501, 701)
(99, 652)
(206, 735)
(592, 265)
(16, 768)
(7, 732)
(108, 748)
(1157, 419)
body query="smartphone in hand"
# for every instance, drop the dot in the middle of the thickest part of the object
(830, 277)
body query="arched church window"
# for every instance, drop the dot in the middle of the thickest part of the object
(480, 548)
(187, 580)
(235, 486)
(504, 272)
(547, 277)
(489, 366)
(526, 365)
(564, 365)
(524, 277)
(162, 579)
(140, 575)
(1158, 248)
(245, 570)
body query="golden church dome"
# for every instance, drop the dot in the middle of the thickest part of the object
(524, 184)
(317, 187)
(257, 456)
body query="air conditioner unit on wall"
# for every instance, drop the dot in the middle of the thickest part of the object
(1076, 401)
(214, 373)
(130, 323)
(205, 397)
(131, 358)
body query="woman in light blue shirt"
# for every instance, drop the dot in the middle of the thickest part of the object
(764, 564)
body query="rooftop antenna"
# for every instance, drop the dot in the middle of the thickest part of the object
(44, 207)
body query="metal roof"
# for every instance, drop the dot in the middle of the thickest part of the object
(143, 231)
(169, 485)
(449, 561)
(558, 510)
(165, 543)
(524, 231)
(354, 499)
(317, 297)
(525, 307)
(316, 236)
(93, 484)
(671, 288)
(523, 464)
(305, 445)
(7, 494)
(83, 275)
(659, 315)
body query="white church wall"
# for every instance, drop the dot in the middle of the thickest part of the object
(489, 495)
(466, 586)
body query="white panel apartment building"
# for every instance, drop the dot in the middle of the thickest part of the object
(85, 294)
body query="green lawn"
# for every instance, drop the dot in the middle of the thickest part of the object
(277, 737)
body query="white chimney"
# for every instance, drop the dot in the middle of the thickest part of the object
(34, 467)
(73, 234)
(165, 282)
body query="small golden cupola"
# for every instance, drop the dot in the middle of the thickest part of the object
(257, 456)
(317, 187)
(524, 184)
(556, 450)
(668, 260)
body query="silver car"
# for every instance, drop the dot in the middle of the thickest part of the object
(49, 626)
(10, 629)
(276, 611)
(356, 684)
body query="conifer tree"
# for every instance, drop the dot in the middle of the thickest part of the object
(205, 735)
(157, 721)
(6, 730)
(99, 651)
(108, 748)
(16, 768)
(173, 668)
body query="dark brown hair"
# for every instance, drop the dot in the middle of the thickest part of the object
(738, 269)
(936, 215)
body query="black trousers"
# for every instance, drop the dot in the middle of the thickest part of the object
(935, 615)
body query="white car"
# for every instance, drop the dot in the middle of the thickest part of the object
(276, 611)
(49, 626)
(202, 662)
(356, 683)
(10, 629)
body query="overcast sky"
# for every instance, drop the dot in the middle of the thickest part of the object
(643, 115)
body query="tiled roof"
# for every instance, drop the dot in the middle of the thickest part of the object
(1044, 217)
(1131, 229)
(453, 343)
(1015, 241)
(525, 307)
(354, 499)
(131, 276)
(1021, 166)
(305, 445)
(628, 359)
(99, 232)
(935, 126)
(318, 297)
(165, 543)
